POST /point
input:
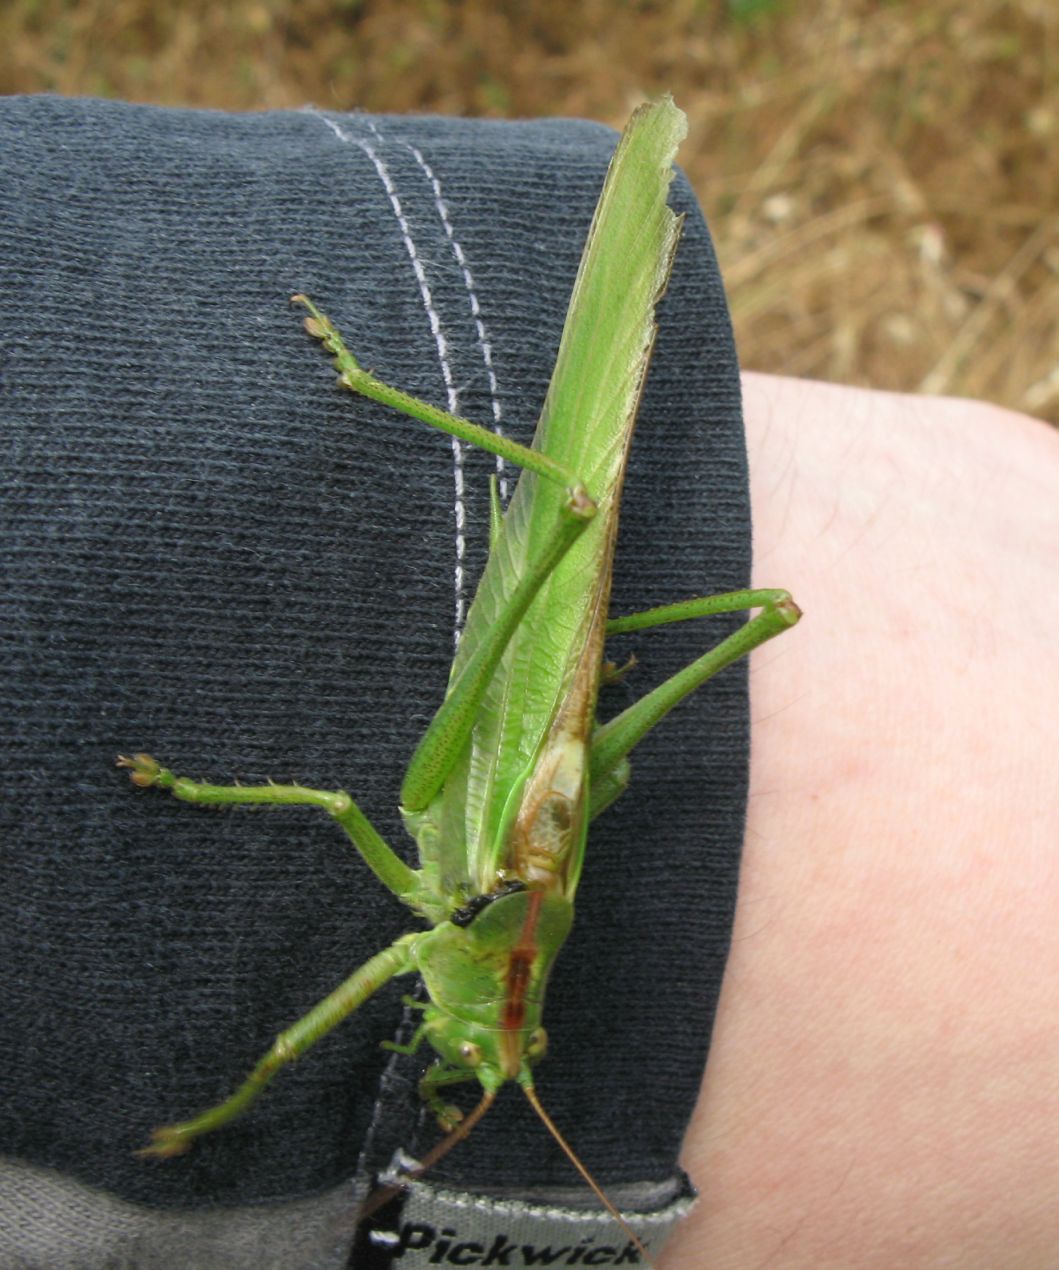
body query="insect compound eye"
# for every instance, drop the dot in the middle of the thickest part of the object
(537, 1045)
(470, 1053)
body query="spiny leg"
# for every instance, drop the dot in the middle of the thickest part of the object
(434, 1078)
(443, 741)
(612, 742)
(174, 1139)
(383, 861)
(766, 598)
(353, 376)
(439, 1073)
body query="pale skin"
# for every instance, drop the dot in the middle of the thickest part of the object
(883, 1083)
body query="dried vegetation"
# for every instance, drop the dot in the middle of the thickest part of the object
(881, 178)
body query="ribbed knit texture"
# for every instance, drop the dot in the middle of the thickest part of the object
(213, 554)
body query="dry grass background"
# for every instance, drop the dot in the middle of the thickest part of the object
(880, 177)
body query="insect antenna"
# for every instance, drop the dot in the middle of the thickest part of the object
(597, 1190)
(383, 1194)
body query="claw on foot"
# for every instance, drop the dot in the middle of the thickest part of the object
(449, 1117)
(320, 327)
(166, 1142)
(143, 770)
(611, 673)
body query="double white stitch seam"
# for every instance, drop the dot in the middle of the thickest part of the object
(484, 343)
(453, 402)
(467, 1202)
(440, 342)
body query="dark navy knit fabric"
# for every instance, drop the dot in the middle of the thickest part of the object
(213, 554)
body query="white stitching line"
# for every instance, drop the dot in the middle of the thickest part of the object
(444, 1197)
(484, 342)
(439, 339)
(451, 392)
(494, 397)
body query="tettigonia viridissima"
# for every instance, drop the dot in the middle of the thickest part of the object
(502, 788)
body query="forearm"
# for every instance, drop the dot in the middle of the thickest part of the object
(882, 1088)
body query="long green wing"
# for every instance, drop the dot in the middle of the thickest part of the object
(551, 664)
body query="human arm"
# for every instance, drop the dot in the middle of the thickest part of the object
(882, 1087)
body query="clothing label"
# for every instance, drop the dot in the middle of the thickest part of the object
(433, 1226)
